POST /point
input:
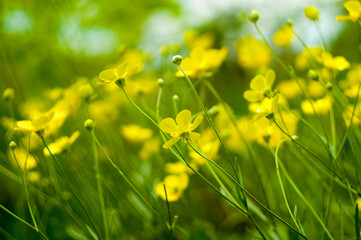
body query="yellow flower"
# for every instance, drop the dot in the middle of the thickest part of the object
(261, 86)
(305, 59)
(347, 114)
(37, 125)
(20, 154)
(283, 36)
(208, 145)
(61, 144)
(311, 13)
(290, 88)
(135, 133)
(182, 129)
(202, 62)
(119, 74)
(176, 168)
(315, 89)
(267, 108)
(175, 185)
(337, 63)
(354, 11)
(192, 39)
(150, 148)
(322, 106)
(253, 53)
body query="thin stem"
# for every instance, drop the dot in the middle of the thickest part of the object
(24, 222)
(210, 122)
(305, 200)
(317, 24)
(127, 180)
(281, 183)
(100, 189)
(169, 215)
(70, 186)
(245, 191)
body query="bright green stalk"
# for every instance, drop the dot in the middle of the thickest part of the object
(100, 189)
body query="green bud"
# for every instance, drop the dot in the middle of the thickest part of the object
(8, 94)
(177, 59)
(253, 18)
(329, 86)
(175, 97)
(89, 124)
(160, 82)
(289, 22)
(12, 145)
(312, 74)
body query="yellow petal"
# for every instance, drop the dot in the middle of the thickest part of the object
(24, 125)
(183, 119)
(196, 122)
(168, 125)
(253, 96)
(258, 83)
(171, 142)
(121, 69)
(108, 75)
(74, 136)
(194, 136)
(270, 78)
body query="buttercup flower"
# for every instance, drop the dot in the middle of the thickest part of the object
(61, 144)
(119, 74)
(181, 129)
(283, 36)
(37, 125)
(175, 185)
(253, 53)
(261, 86)
(354, 11)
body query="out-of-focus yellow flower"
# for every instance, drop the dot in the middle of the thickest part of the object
(103, 112)
(322, 106)
(347, 114)
(142, 86)
(37, 125)
(261, 87)
(208, 145)
(304, 60)
(176, 168)
(315, 89)
(61, 144)
(202, 62)
(175, 185)
(283, 36)
(311, 13)
(182, 129)
(351, 84)
(193, 39)
(337, 63)
(253, 53)
(20, 154)
(354, 11)
(34, 176)
(135, 133)
(121, 73)
(290, 88)
(150, 148)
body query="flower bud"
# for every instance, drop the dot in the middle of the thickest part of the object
(253, 18)
(311, 13)
(358, 203)
(160, 82)
(312, 74)
(12, 145)
(89, 124)
(86, 92)
(329, 86)
(177, 59)
(289, 22)
(8, 94)
(175, 97)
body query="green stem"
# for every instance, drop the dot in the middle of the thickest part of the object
(305, 200)
(169, 215)
(210, 122)
(70, 186)
(317, 24)
(127, 180)
(100, 190)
